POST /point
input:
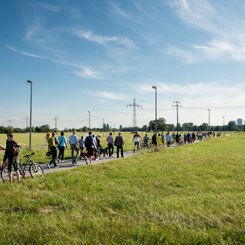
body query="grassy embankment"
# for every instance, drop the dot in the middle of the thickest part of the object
(193, 194)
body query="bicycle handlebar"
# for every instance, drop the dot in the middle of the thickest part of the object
(30, 154)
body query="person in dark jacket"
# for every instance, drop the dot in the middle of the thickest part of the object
(154, 140)
(90, 146)
(119, 142)
(11, 155)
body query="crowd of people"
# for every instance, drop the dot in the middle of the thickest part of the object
(90, 147)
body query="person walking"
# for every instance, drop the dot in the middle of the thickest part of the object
(168, 139)
(61, 146)
(136, 140)
(89, 144)
(73, 140)
(159, 140)
(11, 155)
(119, 142)
(98, 146)
(52, 144)
(154, 139)
(110, 142)
(81, 146)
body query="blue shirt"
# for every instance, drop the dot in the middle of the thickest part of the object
(62, 141)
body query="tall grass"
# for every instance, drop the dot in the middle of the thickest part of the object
(187, 195)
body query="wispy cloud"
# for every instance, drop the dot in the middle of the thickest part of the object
(120, 11)
(103, 40)
(226, 30)
(80, 70)
(86, 72)
(110, 95)
(32, 55)
(183, 54)
(202, 93)
(49, 7)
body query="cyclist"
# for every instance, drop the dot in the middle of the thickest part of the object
(146, 140)
(11, 154)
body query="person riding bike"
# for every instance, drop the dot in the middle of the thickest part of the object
(146, 140)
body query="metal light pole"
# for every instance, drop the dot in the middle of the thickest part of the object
(103, 128)
(28, 81)
(208, 119)
(89, 120)
(155, 87)
(177, 105)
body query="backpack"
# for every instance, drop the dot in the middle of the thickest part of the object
(88, 142)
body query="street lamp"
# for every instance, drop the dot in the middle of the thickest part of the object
(155, 87)
(208, 119)
(89, 120)
(28, 81)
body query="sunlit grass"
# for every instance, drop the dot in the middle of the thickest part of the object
(186, 195)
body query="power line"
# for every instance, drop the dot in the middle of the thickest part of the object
(177, 105)
(134, 105)
(55, 122)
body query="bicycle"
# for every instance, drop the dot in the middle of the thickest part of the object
(35, 169)
(147, 145)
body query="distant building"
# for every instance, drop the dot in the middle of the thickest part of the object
(239, 122)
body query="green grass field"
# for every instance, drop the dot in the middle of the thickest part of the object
(193, 194)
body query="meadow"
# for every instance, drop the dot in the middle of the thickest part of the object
(193, 194)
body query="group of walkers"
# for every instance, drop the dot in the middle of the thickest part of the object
(159, 139)
(89, 148)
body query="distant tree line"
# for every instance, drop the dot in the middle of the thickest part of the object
(161, 126)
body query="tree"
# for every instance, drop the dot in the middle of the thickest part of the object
(187, 126)
(204, 127)
(161, 124)
(144, 128)
(232, 126)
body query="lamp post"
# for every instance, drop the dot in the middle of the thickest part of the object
(208, 119)
(103, 128)
(155, 87)
(89, 120)
(28, 81)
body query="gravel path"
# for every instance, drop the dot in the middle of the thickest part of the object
(67, 164)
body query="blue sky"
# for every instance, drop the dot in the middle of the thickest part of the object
(97, 55)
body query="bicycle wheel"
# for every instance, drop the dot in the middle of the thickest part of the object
(5, 174)
(150, 145)
(36, 170)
